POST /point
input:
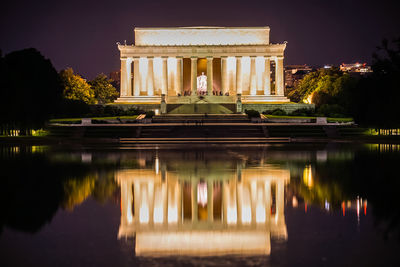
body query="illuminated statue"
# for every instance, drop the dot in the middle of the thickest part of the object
(202, 84)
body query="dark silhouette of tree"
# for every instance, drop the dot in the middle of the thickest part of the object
(375, 100)
(30, 91)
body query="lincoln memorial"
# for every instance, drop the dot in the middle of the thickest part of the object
(202, 65)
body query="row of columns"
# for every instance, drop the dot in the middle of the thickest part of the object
(146, 84)
(248, 203)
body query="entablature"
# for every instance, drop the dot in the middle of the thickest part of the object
(271, 50)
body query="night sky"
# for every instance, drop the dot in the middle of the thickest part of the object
(83, 34)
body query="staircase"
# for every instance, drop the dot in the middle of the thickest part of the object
(201, 108)
(201, 118)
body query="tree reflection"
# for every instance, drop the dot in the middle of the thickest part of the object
(35, 185)
(371, 175)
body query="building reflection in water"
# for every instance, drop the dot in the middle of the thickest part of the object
(200, 210)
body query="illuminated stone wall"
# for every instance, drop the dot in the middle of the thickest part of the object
(201, 36)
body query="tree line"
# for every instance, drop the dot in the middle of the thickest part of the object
(32, 91)
(371, 99)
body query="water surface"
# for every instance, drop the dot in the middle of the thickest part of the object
(278, 205)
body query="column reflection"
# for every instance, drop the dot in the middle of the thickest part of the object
(210, 212)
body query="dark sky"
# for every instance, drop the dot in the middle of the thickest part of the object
(83, 34)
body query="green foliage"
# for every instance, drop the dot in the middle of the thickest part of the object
(302, 112)
(275, 112)
(111, 110)
(325, 86)
(251, 113)
(104, 91)
(72, 108)
(30, 90)
(331, 110)
(76, 88)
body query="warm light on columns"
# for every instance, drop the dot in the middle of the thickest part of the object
(245, 74)
(136, 77)
(171, 67)
(173, 204)
(260, 69)
(144, 206)
(231, 216)
(231, 73)
(239, 75)
(260, 206)
(157, 68)
(143, 72)
(246, 206)
(158, 215)
(267, 77)
(253, 77)
(150, 77)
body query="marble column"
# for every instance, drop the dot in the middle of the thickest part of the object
(238, 75)
(209, 75)
(123, 78)
(239, 191)
(150, 194)
(253, 78)
(150, 77)
(193, 75)
(210, 201)
(164, 76)
(194, 201)
(267, 77)
(224, 75)
(136, 77)
(267, 192)
(279, 86)
(178, 81)
(280, 198)
(126, 86)
(126, 202)
(136, 200)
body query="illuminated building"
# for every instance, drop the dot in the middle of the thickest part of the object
(167, 62)
(294, 73)
(361, 68)
(202, 209)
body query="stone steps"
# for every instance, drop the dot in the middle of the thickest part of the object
(193, 118)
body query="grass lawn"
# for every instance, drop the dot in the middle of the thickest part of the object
(93, 118)
(304, 117)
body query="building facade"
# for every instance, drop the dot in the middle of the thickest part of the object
(167, 63)
(295, 73)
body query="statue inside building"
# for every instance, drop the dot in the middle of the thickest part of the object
(202, 84)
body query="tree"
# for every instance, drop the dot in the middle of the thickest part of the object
(30, 90)
(325, 87)
(375, 100)
(75, 87)
(104, 91)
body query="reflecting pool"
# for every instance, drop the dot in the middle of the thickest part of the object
(325, 204)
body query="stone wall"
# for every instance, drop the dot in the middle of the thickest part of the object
(286, 107)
